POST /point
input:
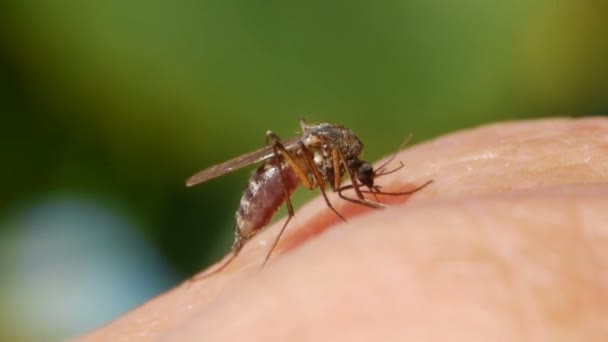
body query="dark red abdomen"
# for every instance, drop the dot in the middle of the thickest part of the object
(264, 195)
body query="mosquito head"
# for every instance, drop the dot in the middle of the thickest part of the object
(364, 172)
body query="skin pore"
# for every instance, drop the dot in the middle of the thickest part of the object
(509, 243)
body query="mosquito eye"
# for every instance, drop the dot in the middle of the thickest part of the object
(365, 174)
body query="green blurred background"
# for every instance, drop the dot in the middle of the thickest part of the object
(107, 107)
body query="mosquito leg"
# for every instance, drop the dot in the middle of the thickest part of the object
(385, 193)
(337, 178)
(377, 205)
(270, 135)
(283, 155)
(276, 240)
(281, 152)
(401, 193)
(277, 148)
(371, 190)
(362, 201)
(236, 249)
(317, 176)
(335, 157)
(353, 177)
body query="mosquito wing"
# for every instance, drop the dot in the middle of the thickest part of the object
(239, 162)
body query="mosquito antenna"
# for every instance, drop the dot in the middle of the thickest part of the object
(388, 161)
(378, 174)
(405, 142)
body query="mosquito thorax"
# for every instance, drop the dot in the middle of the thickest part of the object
(326, 136)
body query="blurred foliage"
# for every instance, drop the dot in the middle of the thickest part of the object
(131, 98)
(125, 100)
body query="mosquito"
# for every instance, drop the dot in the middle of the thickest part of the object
(319, 157)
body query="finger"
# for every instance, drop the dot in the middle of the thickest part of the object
(494, 159)
(524, 266)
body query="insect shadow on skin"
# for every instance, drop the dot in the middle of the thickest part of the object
(319, 157)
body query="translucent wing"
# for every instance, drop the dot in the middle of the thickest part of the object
(239, 162)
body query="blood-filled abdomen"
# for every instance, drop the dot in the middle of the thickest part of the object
(264, 195)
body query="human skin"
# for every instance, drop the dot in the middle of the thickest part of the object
(509, 242)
